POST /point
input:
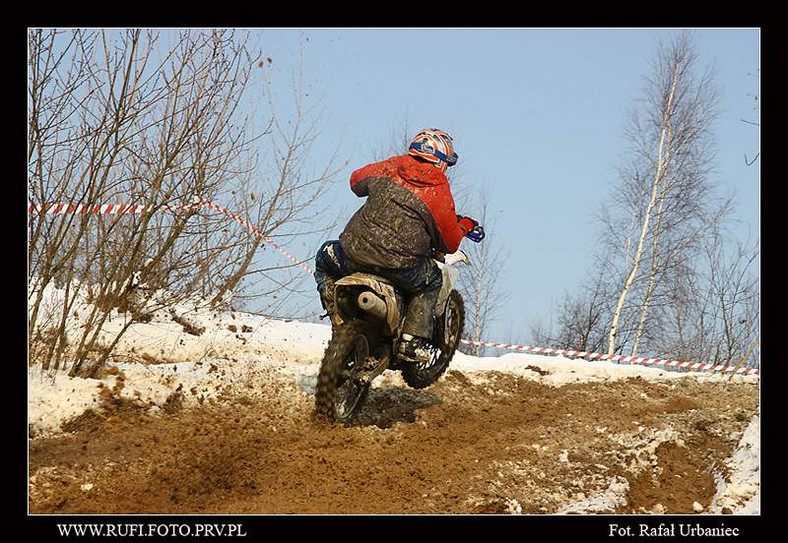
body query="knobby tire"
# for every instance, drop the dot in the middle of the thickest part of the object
(329, 379)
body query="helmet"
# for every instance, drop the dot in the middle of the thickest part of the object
(434, 146)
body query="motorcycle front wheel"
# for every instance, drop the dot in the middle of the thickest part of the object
(339, 395)
(447, 337)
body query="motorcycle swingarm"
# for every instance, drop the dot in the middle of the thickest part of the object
(372, 368)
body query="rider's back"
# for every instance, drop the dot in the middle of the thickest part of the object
(409, 211)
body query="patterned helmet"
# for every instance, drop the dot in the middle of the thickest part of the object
(434, 146)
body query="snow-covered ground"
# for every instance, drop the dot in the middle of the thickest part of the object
(239, 350)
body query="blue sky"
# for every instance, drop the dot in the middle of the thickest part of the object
(537, 116)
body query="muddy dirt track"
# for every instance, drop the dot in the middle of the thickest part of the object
(482, 443)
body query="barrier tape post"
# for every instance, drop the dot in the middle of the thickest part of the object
(62, 209)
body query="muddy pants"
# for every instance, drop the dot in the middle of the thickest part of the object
(420, 284)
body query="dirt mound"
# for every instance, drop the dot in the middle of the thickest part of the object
(485, 443)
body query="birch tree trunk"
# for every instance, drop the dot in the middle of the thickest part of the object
(651, 278)
(663, 160)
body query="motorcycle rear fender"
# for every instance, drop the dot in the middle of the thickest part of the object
(395, 304)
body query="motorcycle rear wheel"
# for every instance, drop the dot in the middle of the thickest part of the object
(338, 395)
(448, 333)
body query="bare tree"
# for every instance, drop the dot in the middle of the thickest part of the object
(285, 198)
(480, 283)
(114, 117)
(668, 278)
(726, 313)
(582, 318)
(666, 184)
(756, 107)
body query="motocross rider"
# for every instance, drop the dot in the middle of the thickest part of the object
(408, 214)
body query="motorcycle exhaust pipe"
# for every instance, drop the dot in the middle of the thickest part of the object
(372, 304)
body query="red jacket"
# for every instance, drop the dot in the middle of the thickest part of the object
(409, 212)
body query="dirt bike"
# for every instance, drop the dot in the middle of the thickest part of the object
(367, 318)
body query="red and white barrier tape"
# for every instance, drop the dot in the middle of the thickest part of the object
(62, 209)
(256, 231)
(103, 209)
(616, 358)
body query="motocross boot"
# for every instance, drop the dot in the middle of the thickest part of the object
(414, 349)
(326, 290)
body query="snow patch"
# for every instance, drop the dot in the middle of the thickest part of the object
(602, 501)
(239, 352)
(557, 371)
(741, 492)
